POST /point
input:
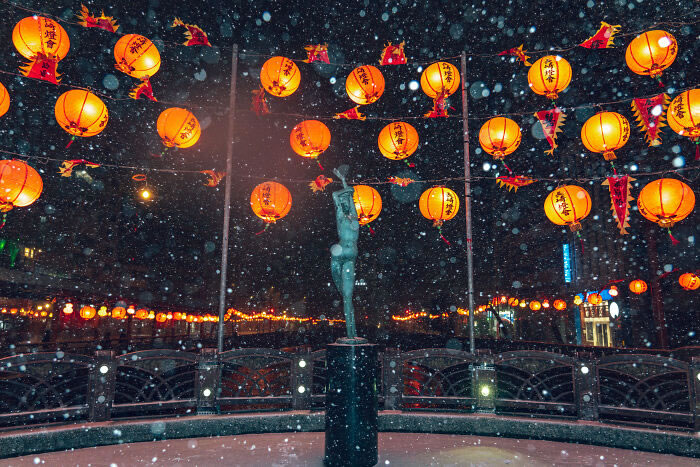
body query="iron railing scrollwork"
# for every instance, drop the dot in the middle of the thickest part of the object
(50, 387)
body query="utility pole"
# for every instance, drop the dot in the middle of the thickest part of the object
(467, 203)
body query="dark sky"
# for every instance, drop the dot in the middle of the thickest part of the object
(92, 226)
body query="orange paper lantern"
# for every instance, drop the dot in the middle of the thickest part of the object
(310, 138)
(365, 85)
(271, 201)
(368, 203)
(398, 140)
(638, 286)
(161, 317)
(605, 132)
(500, 136)
(4, 100)
(136, 56)
(439, 204)
(20, 185)
(440, 79)
(595, 299)
(141, 314)
(549, 76)
(651, 52)
(684, 115)
(666, 201)
(689, 281)
(559, 305)
(567, 205)
(87, 312)
(535, 305)
(81, 113)
(44, 42)
(280, 76)
(178, 127)
(118, 312)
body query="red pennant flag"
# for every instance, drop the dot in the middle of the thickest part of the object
(317, 53)
(439, 108)
(259, 104)
(551, 121)
(107, 23)
(143, 89)
(351, 114)
(393, 55)
(214, 177)
(517, 52)
(42, 67)
(603, 38)
(650, 116)
(514, 181)
(403, 182)
(194, 34)
(620, 196)
(320, 183)
(66, 169)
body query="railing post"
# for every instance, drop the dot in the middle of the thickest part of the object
(101, 394)
(302, 380)
(484, 383)
(694, 391)
(392, 379)
(586, 387)
(207, 385)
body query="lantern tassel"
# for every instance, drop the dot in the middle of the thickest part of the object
(506, 166)
(319, 164)
(580, 239)
(443, 237)
(410, 164)
(371, 230)
(697, 150)
(267, 226)
(674, 241)
(661, 84)
(612, 164)
(70, 142)
(4, 220)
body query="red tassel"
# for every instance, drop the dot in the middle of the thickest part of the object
(267, 226)
(4, 220)
(443, 237)
(70, 142)
(410, 164)
(580, 239)
(371, 230)
(661, 84)
(697, 151)
(674, 242)
(507, 168)
(319, 164)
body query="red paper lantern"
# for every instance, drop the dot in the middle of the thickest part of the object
(689, 281)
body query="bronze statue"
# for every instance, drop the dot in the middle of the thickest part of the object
(344, 253)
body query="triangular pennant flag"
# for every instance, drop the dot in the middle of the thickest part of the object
(259, 104)
(439, 108)
(320, 183)
(66, 169)
(650, 116)
(551, 121)
(317, 53)
(107, 23)
(393, 55)
(514, 181)
(42, 67)
(603, 38)
(194, 34)
(620, 196)
(518, 52)
(351, 114)
(143, 89)
(214, 177)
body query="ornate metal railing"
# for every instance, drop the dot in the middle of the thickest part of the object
(54, 387)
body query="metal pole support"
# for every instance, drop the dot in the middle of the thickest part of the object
(694, 389)
(585, 387)
(102, 386)
(392, 377)
(302, 380)
(484, 384)
(207, 384)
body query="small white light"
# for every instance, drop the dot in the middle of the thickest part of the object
(413, 85)
(302, 363)
(584, 370)
(206, 392)
(301, 389)
(664, 42)
(656, 110)
(698, 375)
(104, 369)
(485, 391)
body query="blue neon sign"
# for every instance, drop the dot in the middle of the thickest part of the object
(567, 263)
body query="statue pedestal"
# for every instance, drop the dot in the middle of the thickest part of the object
(351, 403)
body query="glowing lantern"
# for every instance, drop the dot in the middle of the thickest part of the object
(67, 309)
(684, 117)
(4, 100)
(535, 305)
(368, 203)
(87, 312)
(177, 316)
(439, 80)
(136, 56)
(499, 136)
(365, 85)
(638, 286)
(439, 204)
(689, 281)
(567, 205)
(523, 304)
(20, 185)
(42, 41)
(131, 310)
(310, 138)
(595, 299)
(512, 301)
(545, 303)
(270, 201)
(161, 317)
(280, 76)
(102, 312)
(613, 291)
(665, 202)
(190, 318)
(151, 315)
(651, 52)
(578, 300)
(559, 305)
(141, 314)
(549, 76)
(81, 113)
(178, 127)
(398, 140)
(605, 132)
(118, 312)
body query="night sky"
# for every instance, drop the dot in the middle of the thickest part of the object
(93, 228)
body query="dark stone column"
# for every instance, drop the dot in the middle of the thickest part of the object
(351, 403)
